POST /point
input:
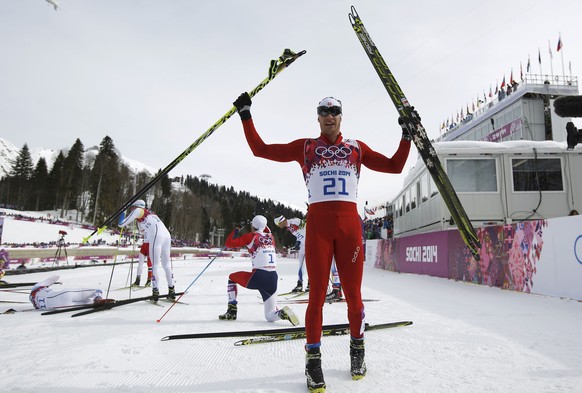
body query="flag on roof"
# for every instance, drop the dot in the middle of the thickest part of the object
(550, 50)
(559, 43)
(370, 212)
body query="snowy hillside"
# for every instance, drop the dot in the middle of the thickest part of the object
(9, 152)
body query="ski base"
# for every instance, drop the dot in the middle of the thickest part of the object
(331, 330)
(305, 301)
(326, 332)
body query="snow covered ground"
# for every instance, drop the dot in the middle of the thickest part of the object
(465, 338)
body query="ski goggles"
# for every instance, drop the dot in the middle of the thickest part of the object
(329, 110)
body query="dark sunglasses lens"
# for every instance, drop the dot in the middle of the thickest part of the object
(324, 111)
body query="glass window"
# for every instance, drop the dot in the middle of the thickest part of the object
(543, 174)
(472, 175)
(424, 195)
(399, 207)
(414, 191)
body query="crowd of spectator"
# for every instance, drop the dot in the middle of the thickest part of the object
(373, 227)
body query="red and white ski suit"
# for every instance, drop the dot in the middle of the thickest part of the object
(331, 172)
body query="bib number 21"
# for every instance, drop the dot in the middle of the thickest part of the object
(334, 186)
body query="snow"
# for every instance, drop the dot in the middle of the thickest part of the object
(465, 338)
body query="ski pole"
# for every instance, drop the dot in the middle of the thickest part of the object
(114, 262)
(275, 67)
(192, 283)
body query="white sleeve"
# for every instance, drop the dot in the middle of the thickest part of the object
(136, 213)
(46, 282)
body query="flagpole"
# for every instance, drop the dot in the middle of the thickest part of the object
(562, 54)
(551, 60)
(540, 62)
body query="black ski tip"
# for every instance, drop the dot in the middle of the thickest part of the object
(353, 15)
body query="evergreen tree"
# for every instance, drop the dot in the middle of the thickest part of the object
(39, 181)
(20, 175)
(105, 182)
(54, 196)
(72, 176)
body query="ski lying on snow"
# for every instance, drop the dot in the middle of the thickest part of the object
(304, 301)
(103, 306)
(109, 306)
(337, 331)
(17, 284)
(331, 329)
(293, 294)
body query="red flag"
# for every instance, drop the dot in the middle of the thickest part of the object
(490, 91)
(503, 82)
(559, 43)
(511, 81)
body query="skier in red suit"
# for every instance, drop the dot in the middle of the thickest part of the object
(331, 170)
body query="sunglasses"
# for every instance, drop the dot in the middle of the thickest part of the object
(326, 110)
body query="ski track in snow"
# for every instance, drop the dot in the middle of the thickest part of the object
(465, 338)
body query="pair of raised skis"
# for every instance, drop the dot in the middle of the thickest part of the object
(273, 335)
(411, 121)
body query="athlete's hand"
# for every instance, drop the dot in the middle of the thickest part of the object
(121, 218)
(405, 133)
(243, 106)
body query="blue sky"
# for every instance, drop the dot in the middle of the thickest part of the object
(155, 75)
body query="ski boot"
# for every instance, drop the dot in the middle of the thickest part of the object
(155, 295)
(313, 372)
(287, 314)
(298, 288)
(307, 287)
(148, 282)
(99, 300)
(334, 296)
(358, 366)
(136, 283)
(230, 314)
(171, 293)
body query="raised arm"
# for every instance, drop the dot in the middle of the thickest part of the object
(283, 152)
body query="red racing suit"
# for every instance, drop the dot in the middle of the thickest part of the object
(331, 172)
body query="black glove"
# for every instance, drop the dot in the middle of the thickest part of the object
(243, 106)
(405, 134)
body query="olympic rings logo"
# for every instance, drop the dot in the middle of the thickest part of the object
(333, 151)
(578, 250)
(266, 240)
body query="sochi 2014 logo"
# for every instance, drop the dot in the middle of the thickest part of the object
(578, 249)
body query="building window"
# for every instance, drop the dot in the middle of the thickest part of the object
(473, 175)
(424, 192)
(544, 174)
